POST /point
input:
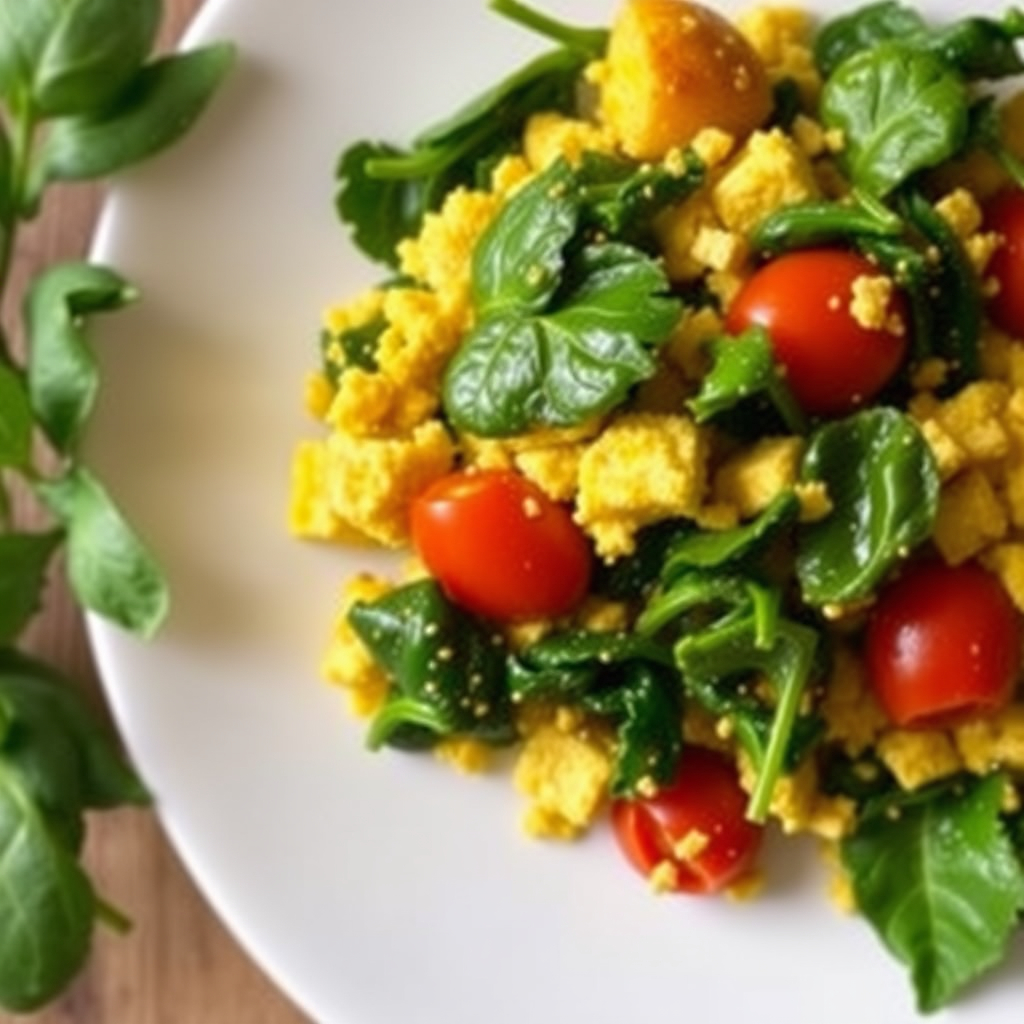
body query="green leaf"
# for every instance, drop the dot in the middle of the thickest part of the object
(110, 571)
(16, 421)
(518, 262)
(744, 368)
(941, 884)
(62, 374)
(24, 31)
(381, 211)
(862, 29)
(24, 558)
(710, 549)
(516, 371)
(47, 904)
(64, 754)
(96, 47)
(624, 678)
(157, 108)
(384, 191)
(901, 110)
(982, 48)
(881, 477)
(447, 672)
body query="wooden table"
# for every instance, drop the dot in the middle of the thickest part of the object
(178, 965)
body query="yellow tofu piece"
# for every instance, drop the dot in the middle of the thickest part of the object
(770, 171)
(781, 36)
(369, 404)
(918, 757)
(550, 136)
(1007, 562)
(437, 257)
(555, 470)
(960, 210)
(973, 418)
(565, 776)
(643, 468)
(310, 514)
(971, 516)
(752, 478)
(993, 742)
(676, 229)
(950, 458)
(371, 481)
(853, 718)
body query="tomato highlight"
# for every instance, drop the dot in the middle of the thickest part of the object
(692, 836)
(500, 547)
(943, 645)
(832, 362)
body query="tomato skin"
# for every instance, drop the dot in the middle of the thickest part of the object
(1004, 214)
(499, 546)
(833, 365)
(943, 645)
(704, 798)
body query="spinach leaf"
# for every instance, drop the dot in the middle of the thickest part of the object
(881, 477)
(109, 569)
(56, 762)
(819, 222)
(47, 903)
(153, 111)
(447, 671)
(730, 631)
(709, 549)
(624, 678)
(620, 197)
(981, 48)
(862, 29)
(901, 110)
(941, 884)
(632, 577)
(92, 53)
(563, 332)
(985, 132)
(744, 368)
(16, 423)
(62, 374)
(24, 558)
(354, 347)
(955, 292)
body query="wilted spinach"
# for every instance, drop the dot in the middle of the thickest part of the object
(564, 328)
(82, 97)
(881, 477)
(385, 191)
(447, 672)
(624, 679)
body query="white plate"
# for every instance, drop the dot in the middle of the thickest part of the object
(376, 889)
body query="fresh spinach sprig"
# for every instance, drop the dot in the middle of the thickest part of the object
(82, 98)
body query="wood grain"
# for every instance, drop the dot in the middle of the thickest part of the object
(178, 965)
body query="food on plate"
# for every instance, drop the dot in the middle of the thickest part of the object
(693, 393)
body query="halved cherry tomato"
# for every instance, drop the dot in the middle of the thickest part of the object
(1004, 214)
(833, 364)
(943, 645)
(697, 825)
(499, 546)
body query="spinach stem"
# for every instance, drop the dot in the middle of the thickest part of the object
(591, 41)
(21, 157)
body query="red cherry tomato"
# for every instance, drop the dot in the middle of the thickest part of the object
(499, 546)
(943, 645)
(1004, 214)
(697, 824)
(832, 363)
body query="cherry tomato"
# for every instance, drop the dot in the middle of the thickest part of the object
(1004, 214)
(499, 546)
(832, 363)
(943, 645)
(697, 824)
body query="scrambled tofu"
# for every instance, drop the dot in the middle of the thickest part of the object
(641, 469)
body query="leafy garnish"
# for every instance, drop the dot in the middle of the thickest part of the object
(941, 883)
